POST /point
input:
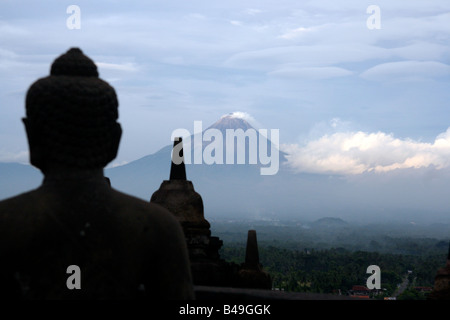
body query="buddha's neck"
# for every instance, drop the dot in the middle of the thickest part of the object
(74, 175)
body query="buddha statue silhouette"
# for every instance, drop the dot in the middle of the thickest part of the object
(125, 248)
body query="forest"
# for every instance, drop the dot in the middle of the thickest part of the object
(333, 264)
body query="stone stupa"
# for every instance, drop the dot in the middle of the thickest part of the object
(179, 196)
(441, 290)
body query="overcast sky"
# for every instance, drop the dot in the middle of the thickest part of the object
(346, 99)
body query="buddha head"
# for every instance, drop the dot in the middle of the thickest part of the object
(71, 117)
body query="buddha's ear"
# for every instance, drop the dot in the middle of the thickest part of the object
(36, 148)
(116, 134)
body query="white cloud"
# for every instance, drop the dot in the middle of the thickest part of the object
(358, 152)
(240, 115)
(20, 156)
(315, 73)
(306, 56)
(407, 70)
(236, 23)
(252, 11)
(7, 29)
(422, 51)
(116, 66)
(291, 34)
(117, 164)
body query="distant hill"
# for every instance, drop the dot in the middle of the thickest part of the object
(17, 178)
(329, 222)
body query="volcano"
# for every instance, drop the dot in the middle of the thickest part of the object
(231, 121)
(220, 185)
(233, 141)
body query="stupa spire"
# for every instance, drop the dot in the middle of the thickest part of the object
(448, 255)
(178, 169)
(251, 252)
(251, 274)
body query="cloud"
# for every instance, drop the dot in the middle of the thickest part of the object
(422, 51)
(291, 34)
(116, 164)
(252, 12)
(116, 66)
(407, 70)
(240, 115)
(236, 23)
(7, 29)
(305, 56)
(20, 156)
(349, 153)
(314, 73)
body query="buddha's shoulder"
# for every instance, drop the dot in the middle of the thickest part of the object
(135, 209)
(22, 203)
(17, 224)
(35, 208)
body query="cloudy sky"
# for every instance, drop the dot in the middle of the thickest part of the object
(347, 99)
